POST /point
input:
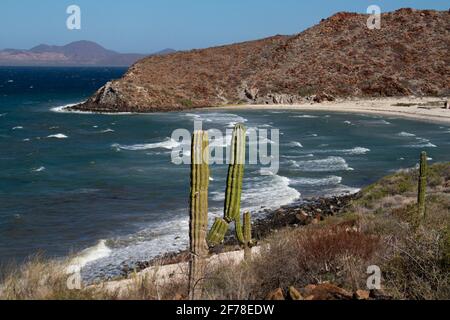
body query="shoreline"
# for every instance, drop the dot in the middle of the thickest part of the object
(297, 214)
(427, 109)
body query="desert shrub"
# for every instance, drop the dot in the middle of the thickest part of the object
(187, 103)
(415, 270)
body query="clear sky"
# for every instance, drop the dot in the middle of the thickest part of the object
(145, 26)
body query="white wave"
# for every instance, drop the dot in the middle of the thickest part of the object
(268, 192)
(340, 190)
(296, 144)
(40, 169)
(91, 254)
(331, 180)
(406, 134)
(26, 140)
(66, 109)
(168, 144)
(227, 119)
(422, 143)
(107, 131)
(376, 122)
(95, 127)
(309, 155)
(347, 122)
(306, 116)
(353, 151)
(10, 81)
(58, 136)
(18, 128)
(356, 150)
(329, 164)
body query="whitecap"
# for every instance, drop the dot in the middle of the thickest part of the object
(330, 180)
(168, 144)
(88, 255)
(58, 136)
(26, 140)
(296, 144)
(227, 119)
(40, 169)
(18, 128)
(107, 131)
(329, 164)
(268, 191)
(67, 109)
(356, 150)
(306, 116)
(422, 143)
(347, 122)
(406, 134)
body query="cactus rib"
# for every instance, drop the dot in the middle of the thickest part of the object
(198, 212)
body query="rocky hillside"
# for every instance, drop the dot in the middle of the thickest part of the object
(340, 57)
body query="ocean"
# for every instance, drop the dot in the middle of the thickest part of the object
(103, 187)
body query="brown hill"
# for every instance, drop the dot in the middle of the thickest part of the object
(340, 57)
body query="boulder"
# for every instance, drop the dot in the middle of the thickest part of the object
(276, 295)
(326, 291)
(361, 295)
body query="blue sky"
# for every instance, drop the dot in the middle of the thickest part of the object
(146, 26)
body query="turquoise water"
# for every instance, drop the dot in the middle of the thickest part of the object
(71, 181)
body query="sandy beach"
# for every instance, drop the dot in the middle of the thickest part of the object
(428, 109)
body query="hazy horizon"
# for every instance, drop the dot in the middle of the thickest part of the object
(149, 26)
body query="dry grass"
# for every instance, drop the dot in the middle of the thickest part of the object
(376, 230)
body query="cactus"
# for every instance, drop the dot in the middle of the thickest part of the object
(198, 223)
(218, 231)
(232, 206)
(247, 230)
(235, 175)
(422, 186)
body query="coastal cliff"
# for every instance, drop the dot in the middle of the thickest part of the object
(339, 57)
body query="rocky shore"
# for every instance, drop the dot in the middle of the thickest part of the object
(295, 215)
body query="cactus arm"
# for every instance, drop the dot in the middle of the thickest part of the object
(421, 197)
(235, 174)
(198, 212)
(247, 236)
(217, 233)
(247, 228)
(239, 230)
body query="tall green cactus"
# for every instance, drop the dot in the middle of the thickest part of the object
(198, 222)
(247, 235)
(423, 171)
(232, 206)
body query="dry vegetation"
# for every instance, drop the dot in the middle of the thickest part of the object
(378, 229)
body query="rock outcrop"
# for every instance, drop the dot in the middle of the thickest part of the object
(340, 57)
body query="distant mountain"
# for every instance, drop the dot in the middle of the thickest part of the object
(80, 53)
(338, 58)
